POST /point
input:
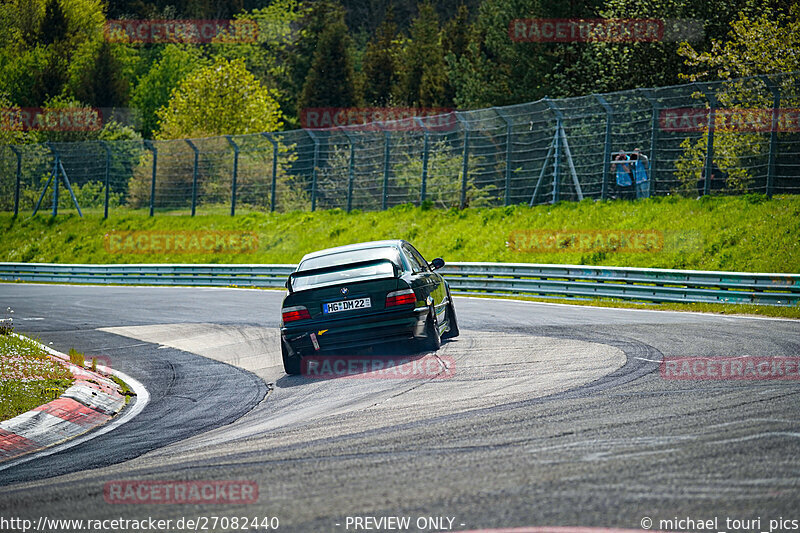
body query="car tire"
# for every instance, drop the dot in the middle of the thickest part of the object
(432, 340)
(291, 363)
(452, 326)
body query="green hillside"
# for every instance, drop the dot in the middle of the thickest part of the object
(746, 233)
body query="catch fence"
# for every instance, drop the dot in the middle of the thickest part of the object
(729, 137)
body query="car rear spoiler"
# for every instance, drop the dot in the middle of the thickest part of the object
(333, 268)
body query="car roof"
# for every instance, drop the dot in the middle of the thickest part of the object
(354, 247)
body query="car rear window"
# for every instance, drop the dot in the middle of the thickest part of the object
(352, 256)
(344, 275)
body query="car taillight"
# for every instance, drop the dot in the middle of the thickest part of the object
(404, 297)
(298, 312)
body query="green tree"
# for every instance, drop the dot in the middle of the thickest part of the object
(761, 44)
(494, 70)
(614, 66)
(379, 67)
(54, 23)
(315, 18)
(35, 69)
(101, 72)
(764, 43)
(153, 89)
(222, 98)
(11, 128)
(271, 54)
(330, 82)
(423, 79)
(21, 20)
(456, 34)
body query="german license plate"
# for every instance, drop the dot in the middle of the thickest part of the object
(346, 305)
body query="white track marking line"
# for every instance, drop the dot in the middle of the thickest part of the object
(712, 315)
(758, 436)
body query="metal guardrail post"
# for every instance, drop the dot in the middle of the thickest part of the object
(464, 161)
(509, 131)
(152, 148)
(18, 178)
(425, 151)
(607, 146)
(194, 174)
(351, 168)
(386, 157)
(773, 135)
(107, 176)
(273, 187)
(709, 163)
(235, 173)
(314, 168)
(557, 149)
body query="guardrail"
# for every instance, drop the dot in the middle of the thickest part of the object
(566, 281)
(644, 284)
(150, 274)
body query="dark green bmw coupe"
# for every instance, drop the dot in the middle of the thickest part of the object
(364, 294)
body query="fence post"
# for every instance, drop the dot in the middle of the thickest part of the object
(465, 160)
(274, 170)
(152, 147)
(106, 178)
(709, 164)
(607, 146)
(424, 160)
(653, 138)
(314, 169)
(773, 135)
(19, 178)
(509, 126)
(56, 179)
(351, 168)
(386, 156)
(557, 151)
(194, 174)
(235, 172)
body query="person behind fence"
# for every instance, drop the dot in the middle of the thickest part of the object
(624, 176)
(640, 164)
(718, 182)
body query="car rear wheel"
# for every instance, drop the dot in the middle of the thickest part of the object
(432, 340)
(452, 327)
(291, 363)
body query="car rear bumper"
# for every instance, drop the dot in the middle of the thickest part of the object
(356, 332)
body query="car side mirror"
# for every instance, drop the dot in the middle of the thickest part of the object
(437, 263)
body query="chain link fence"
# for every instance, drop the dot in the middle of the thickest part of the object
(728, 137)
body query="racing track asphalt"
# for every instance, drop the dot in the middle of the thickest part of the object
(556, 415)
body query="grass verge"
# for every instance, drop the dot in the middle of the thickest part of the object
(745, 233)
(28, 376)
